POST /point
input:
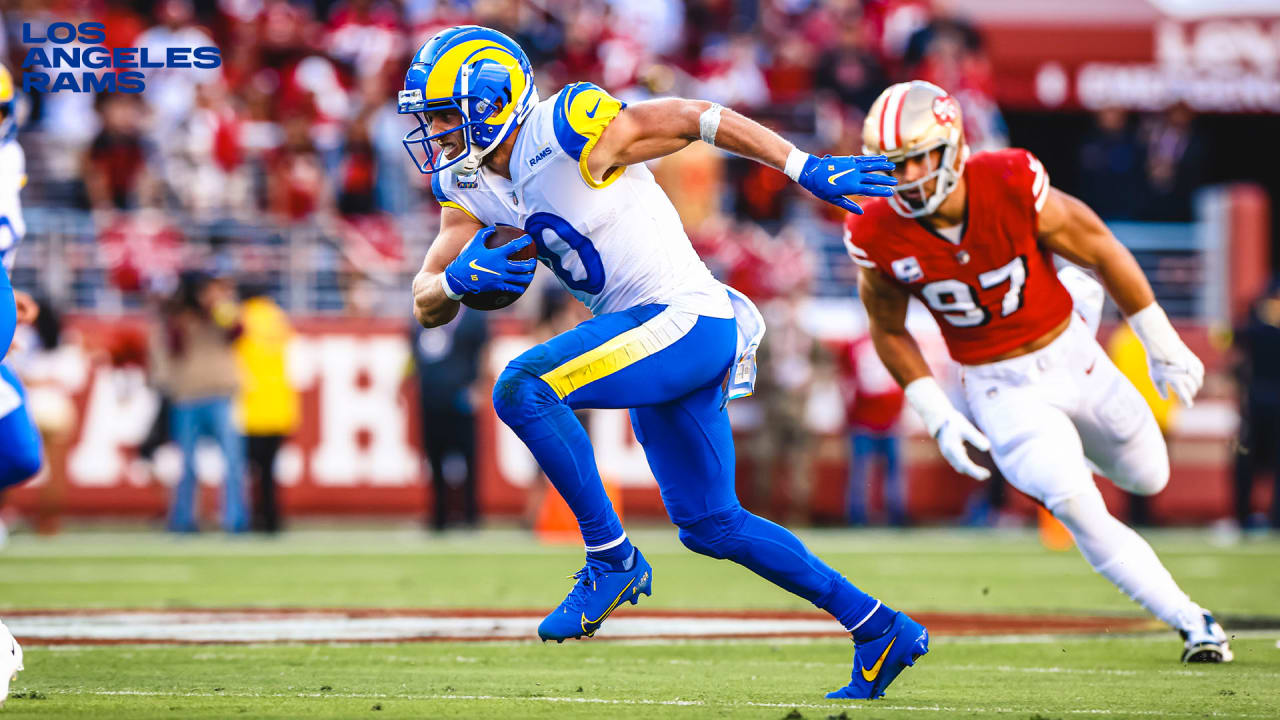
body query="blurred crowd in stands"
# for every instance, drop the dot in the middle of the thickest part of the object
(298, 127)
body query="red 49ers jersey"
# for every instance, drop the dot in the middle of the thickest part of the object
(997, 288)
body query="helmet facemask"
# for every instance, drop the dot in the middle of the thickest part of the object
(947, 173)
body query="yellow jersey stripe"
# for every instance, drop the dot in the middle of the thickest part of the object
(620, 351)
(610, 175)
(452, 204)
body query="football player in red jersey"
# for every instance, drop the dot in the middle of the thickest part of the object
(973, 237)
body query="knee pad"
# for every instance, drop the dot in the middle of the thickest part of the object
(519, 396)
(715, 535)
(1147, 475)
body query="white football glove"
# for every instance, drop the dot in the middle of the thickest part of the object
(1172, 365)
(948, 426)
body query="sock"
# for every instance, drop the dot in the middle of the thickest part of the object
(1120, 555)
(561, 446)
(619, 557)
(876, 624)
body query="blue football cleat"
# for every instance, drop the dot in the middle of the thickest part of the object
(877, 662)
(599, 590)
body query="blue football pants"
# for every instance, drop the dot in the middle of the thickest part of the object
(668, 367)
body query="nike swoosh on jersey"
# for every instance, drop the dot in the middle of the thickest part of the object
(838, 175)
(474, 266)
(874, 672)
(592, 114)
(605, 614)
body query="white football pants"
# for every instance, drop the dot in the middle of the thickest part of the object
(1048, 415)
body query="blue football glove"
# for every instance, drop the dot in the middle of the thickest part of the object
(480, 269)
(833, 177)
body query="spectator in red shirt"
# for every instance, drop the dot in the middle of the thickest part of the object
(117, 166)
(873, 404)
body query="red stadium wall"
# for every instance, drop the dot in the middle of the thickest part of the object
(357, 450)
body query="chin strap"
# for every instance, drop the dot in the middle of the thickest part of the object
(471, 163)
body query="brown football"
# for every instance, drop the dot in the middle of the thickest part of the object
(495, 299)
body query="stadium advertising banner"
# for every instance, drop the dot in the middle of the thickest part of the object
(1214, 65)
(357, 450)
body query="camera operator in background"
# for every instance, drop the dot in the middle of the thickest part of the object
(199, 364)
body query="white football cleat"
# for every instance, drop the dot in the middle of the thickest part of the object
(1206, 643)
(10, 661)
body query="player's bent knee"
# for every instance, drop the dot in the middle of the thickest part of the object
(1082, 513)
(1149, 475)
(519, 396)
(716, 535)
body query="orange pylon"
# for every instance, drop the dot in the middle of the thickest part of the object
(1053, 534)
(555, 523)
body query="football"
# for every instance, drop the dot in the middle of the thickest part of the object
(496, 299)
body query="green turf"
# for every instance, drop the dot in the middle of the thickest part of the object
(929, 570)
(1135, 676)
(1120, 678)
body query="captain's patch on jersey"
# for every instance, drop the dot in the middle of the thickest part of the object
(907, 269)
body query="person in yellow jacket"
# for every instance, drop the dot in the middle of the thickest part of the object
(268, 401)
(1127, 353)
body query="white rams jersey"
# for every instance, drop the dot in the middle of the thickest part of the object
(13, 176)
(613, 244)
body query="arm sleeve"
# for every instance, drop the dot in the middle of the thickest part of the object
(582, 112)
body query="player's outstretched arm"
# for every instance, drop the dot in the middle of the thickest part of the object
(652, 129)
(458, 263)
(1070, 228)
(886, 306)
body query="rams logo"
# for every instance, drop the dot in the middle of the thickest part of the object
(545, 152)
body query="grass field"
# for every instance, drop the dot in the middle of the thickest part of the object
(1037, 676)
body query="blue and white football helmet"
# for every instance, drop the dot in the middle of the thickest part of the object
(479, 72)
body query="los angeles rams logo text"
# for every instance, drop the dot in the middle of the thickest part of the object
(63, 47)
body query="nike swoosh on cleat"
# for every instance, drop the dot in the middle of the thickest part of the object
(605, 614)
(592, 114)
(839, 175)
(474, 266)
(874, 672)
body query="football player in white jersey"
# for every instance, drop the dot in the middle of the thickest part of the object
(667, 340)
(20, 447)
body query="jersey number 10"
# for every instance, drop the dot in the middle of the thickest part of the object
(580, 244)
(957, 301)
